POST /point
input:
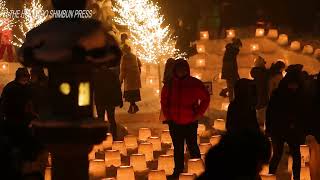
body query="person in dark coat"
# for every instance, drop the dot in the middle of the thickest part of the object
(182, 34)
(18, 113)
(312, 94)
(285, 120)
(275, 75)
(230, 67)
(183, 102)
(316, 112)
(238, 156)
(16, 99)
(130, 76)
(40, 92)
(259, 73)
(108, 95)
(241, 113)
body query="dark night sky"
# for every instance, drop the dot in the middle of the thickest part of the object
(299, 14)
(294, 13)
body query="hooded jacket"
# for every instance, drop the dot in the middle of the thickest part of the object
(183, 100)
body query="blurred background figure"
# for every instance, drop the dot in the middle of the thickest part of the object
(275, 75)
(230, 67)
(20, 146)
(40, 92)
(108, 95)
(242, 153)
(259, 73)
(241, 115)
(285, 117)
(130, 71)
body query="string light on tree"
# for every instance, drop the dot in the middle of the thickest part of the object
(6, 23)
(3, 9)
(152, 40)
(33, 17)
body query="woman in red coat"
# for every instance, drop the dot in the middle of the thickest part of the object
(183, 101)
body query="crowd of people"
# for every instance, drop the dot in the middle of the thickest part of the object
(26, 98)
(283, 108)
(279, 104)
(272, 105)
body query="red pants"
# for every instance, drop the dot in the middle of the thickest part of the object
(9, 48)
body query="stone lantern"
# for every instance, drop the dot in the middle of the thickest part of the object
(260, 32)
(195, 166)
(204, 35)
(157, 175)
(214, 140)
(70, 49)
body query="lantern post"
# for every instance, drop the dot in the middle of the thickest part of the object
(69, 132)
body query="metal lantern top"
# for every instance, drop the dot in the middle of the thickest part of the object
(65, 41)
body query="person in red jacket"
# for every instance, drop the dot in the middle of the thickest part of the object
(183, 101)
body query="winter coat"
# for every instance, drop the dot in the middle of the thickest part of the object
(313, 122)
(16, 103)
(130, 72)
(40, 97)
(274, 82)
(230, 66)
(241, 117)
(180, 100)
(183, 39)
(107, 88)
(286, 114)
(260, 76)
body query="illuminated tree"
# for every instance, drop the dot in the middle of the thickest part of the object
(152, 41)
(33, 17)
(6, 23)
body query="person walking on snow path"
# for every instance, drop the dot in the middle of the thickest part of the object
(130, 71)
